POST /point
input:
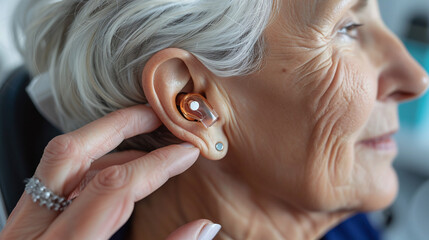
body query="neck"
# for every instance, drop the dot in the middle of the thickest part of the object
(208, 191)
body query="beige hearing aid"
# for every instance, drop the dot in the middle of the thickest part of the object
(195, 107)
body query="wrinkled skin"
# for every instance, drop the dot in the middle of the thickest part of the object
(320, 93)
(298, 130)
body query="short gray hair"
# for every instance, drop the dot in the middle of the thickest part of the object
(94, 50)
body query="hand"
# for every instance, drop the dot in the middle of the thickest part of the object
(118, 180)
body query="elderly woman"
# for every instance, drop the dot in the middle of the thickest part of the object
(291, 104)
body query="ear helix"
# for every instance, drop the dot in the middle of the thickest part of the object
(195, 107)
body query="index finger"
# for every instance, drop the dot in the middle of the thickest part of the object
(101, 136)
(69, 156)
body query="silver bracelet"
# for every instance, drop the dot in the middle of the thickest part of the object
(40, 193)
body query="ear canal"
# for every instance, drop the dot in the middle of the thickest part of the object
(195, 107)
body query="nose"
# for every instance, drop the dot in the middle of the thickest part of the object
(401, 77)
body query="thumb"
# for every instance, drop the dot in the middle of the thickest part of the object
(197, 230)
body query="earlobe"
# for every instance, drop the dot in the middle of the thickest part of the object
(180, 90)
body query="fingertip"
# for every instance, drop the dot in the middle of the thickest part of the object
(202, 229)
(185, 159)
(193, 150)
(187, 145)
(209, 231)
(185, 149)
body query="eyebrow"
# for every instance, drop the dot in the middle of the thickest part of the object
(358, 5)
(335, 7)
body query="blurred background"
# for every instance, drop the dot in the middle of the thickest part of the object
(408, 217)
(9, 60)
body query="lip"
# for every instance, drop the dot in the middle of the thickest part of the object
(384, 142)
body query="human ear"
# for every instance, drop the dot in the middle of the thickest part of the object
(168, 76)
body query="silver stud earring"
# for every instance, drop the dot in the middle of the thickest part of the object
(219, 146)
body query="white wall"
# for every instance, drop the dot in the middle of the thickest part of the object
(9, 58)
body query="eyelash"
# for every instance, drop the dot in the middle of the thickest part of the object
(351, 30)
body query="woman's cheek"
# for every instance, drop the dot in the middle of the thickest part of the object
(345, 99)
(355, 95)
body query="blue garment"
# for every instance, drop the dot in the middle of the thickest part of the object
(354, 228)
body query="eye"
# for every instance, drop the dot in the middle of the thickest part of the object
(351, 30)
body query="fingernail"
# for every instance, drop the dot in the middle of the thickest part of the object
(187, 145)
(209, 231)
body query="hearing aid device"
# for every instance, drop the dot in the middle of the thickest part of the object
(195, 107)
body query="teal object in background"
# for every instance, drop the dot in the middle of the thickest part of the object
(415, 114)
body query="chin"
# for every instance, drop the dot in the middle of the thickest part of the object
(382, 192)
(376, 179)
